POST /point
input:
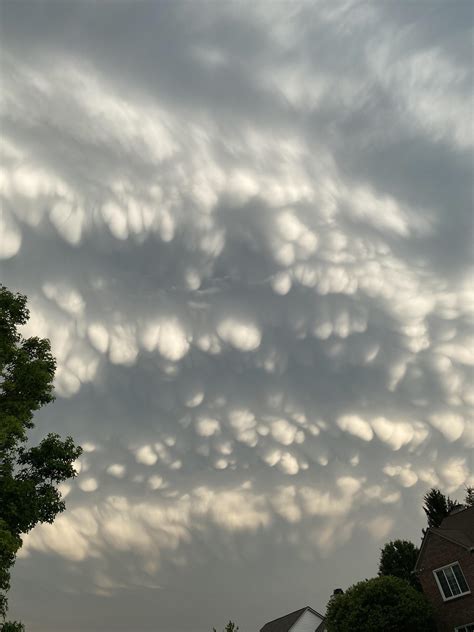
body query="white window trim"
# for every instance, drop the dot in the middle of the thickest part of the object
(462, 627)
(467, 592)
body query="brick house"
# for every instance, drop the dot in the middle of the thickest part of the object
(445, 567)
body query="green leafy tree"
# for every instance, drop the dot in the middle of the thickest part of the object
(13, 626)
(29, 476)
(469, 497)
(398, 559)
(437, 506)
(230, 627)
(383, 603)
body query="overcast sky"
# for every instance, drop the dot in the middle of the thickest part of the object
(246, 229)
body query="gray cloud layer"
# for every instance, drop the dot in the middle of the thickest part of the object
(246, 229)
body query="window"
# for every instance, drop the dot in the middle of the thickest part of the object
(452, 584)
(469, 627)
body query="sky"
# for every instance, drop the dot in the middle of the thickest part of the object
(246, 228)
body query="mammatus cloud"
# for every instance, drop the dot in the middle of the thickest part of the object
(246, 234)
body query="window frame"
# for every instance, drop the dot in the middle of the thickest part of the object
(440, 588)
(463, 628)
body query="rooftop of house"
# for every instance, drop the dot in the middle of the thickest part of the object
(457, 527)
(284, 624)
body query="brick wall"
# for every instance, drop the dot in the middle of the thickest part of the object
(439, 552)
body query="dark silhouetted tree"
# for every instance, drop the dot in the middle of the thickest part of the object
(398, 559)
(29, 477)
(469, 497)
(13, 626)
(383, 603)
(437, 506)
(230, 627)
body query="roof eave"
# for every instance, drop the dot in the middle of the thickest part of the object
(444, 537)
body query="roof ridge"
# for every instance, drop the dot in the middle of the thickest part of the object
(288, 614)
(448, 536)
(286, 622)
(315, 612)
(459, 511)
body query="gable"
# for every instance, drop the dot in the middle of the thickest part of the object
(457, 528)
(437, 550)
(283, 624)
(303, 620)
(461, 523)
(308, 622)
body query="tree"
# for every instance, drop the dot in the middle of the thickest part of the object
(398, 559)
(383, 603)
(437, 506)
(29, 476)
(469, 497)
(13, 626)
(230, 627)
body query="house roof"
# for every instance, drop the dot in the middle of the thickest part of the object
(458, 528)
(461, 524)
(284, 624)
(456, 536)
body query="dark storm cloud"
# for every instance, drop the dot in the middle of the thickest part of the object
(246, 230)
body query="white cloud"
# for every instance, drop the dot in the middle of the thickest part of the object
(155, 482)
(380, 527)
(123, 346)
(454, 473)
(117, 469)
(168, 337)
(450, 425)
(288, 464)
(241, 334)
(207, 427)
(99, 336)
(88, 484)
(283, 432)
(356, 426)
(10, 236)
(146, 455)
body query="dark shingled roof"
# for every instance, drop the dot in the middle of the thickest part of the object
(458, 528)
(454, 535)
(283, 624)
(460, 525)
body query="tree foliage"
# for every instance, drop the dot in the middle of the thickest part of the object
(230, 627)
(469, 497)
(29, 476)
(398, 559)
(13, 626)
(383, 603)
(437, 506)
